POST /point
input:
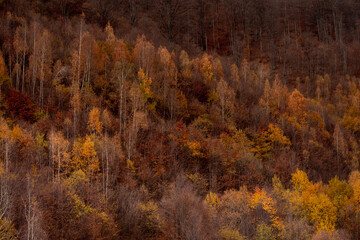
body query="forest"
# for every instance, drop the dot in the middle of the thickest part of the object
(180, 119)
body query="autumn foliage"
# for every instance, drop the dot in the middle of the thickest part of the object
(21, 106)
(178, 119)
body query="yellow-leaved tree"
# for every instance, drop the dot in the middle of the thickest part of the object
(261, 199)
(84, 157)
(7, 229)
(145, 88)
(89, 157)
(313, 202)
(271, 141)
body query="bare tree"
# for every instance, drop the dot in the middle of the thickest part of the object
(185, 215)
(171, 14)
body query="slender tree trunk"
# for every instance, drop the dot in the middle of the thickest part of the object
(28, 211)
(10, 62)
(261, 41)
(42, 79)
(75, 120)
(79, 54)
(107, 172)
(52, 160)
(125, 109)
(17, 71)
(223, 108)
(6, 155)
(23, 68)
(34, 63)
(59, 162)
(121, 89)
(103, 167)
